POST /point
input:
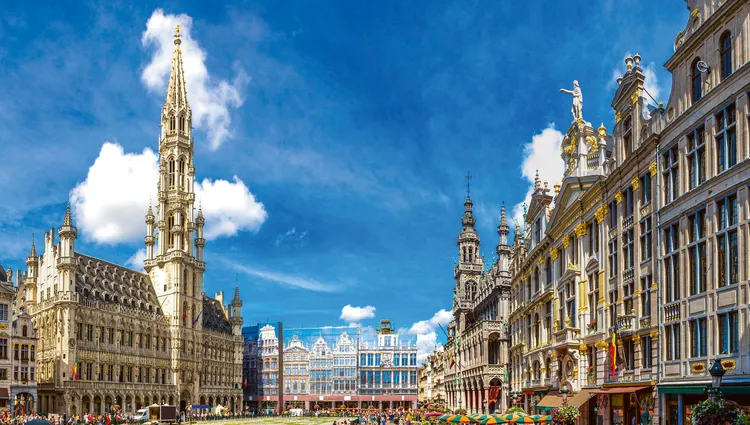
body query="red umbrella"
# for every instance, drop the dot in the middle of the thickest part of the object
(433, 414)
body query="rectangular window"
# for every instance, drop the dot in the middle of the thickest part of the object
(728, 333)
(645, 188)
(628, 250)
(627, 138)
(3, 348)
(629, 354)
(671, 174)
(698, 338)
(4, 312)
(646, 296)
(726, 138)
(612, 215)
(627, 198)
(646, 360)
(697, 253)
(613, 258)
(646, 243)
(727, 261)
(696, 157)
(672, 262)
(672, 347)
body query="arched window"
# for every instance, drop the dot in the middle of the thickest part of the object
(170, 224)
(696, 80)
(25, 331)
(537, 326)
(171, 173)
(725, 52)
(464, 254)
(471, 253)
(181, 173)
(182, 123)
(184, 313)
(171, 123)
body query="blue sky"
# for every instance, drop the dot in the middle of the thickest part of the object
(352, 123)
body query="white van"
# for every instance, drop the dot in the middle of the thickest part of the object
(141, 415)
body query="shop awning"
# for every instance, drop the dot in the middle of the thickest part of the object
(580, 399)
(683, 389)
(617, 390)
(549, 402)
(4, 395)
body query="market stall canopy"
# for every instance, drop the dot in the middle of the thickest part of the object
(580, 399)
(549, 402)
(617, 390)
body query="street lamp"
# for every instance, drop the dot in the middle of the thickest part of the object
(717, 371)
(565, 391)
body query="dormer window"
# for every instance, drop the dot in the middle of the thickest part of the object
(697, 90)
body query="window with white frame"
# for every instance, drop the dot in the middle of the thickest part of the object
(697, 260)
(671, 174)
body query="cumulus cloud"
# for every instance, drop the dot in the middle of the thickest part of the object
(136, 260)
(542, 154)
(651, 83)
(210, 98)
(426, 332)
(111, 203)
(353, 314)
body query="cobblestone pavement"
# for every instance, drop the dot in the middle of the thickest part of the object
(273, 421)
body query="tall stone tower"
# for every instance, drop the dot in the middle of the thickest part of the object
(176, 267)
(469, 268)
(503, 249)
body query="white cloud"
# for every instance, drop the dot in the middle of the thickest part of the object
(356, 314)
(426, 332)
(210, 98)
(110, 204)
(286, 279)
(136, 260)
(292, 238)
(542, 154)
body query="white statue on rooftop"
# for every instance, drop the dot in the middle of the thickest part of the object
(577, 109)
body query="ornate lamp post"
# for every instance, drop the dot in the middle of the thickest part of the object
(565, 391)
(717, 372)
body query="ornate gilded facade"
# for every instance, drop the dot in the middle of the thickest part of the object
(109, 335)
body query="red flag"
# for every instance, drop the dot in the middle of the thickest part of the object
(244, 383)
(613, 356)
(493, 395)
(453, 362)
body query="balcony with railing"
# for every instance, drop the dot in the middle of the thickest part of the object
(592, 161)
(672, 312)
(627, 222)
(626, 322)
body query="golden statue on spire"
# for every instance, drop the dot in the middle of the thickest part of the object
(177, 34)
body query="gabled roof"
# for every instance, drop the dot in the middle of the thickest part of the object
(572, 192)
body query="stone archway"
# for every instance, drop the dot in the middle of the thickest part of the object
(138, 402)
(492, 405)
(108, 403)
(211, 402)
(185, 400)
(203, 400)
(86, 404)
(128, 407)
(97, 405)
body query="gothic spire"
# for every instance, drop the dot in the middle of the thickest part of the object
(176, 92)
(32, 254)
(67, 221)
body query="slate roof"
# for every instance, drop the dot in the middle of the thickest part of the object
(108, 282)
(213, 316)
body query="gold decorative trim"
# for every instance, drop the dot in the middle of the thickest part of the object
(583, 348)
(652, 168)
(602, 131)
(654, 287)
(566, 241)
(600, 213)
(636, 183)
(618, 117)
(581, 229)
(637, 293)
(654, 335)
(635, 96)
(541, 260)
(618, 197)
(729, 364)
(554, 252)
(637, 339)
(698, 367)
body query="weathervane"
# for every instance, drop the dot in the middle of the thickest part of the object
(468, 184)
